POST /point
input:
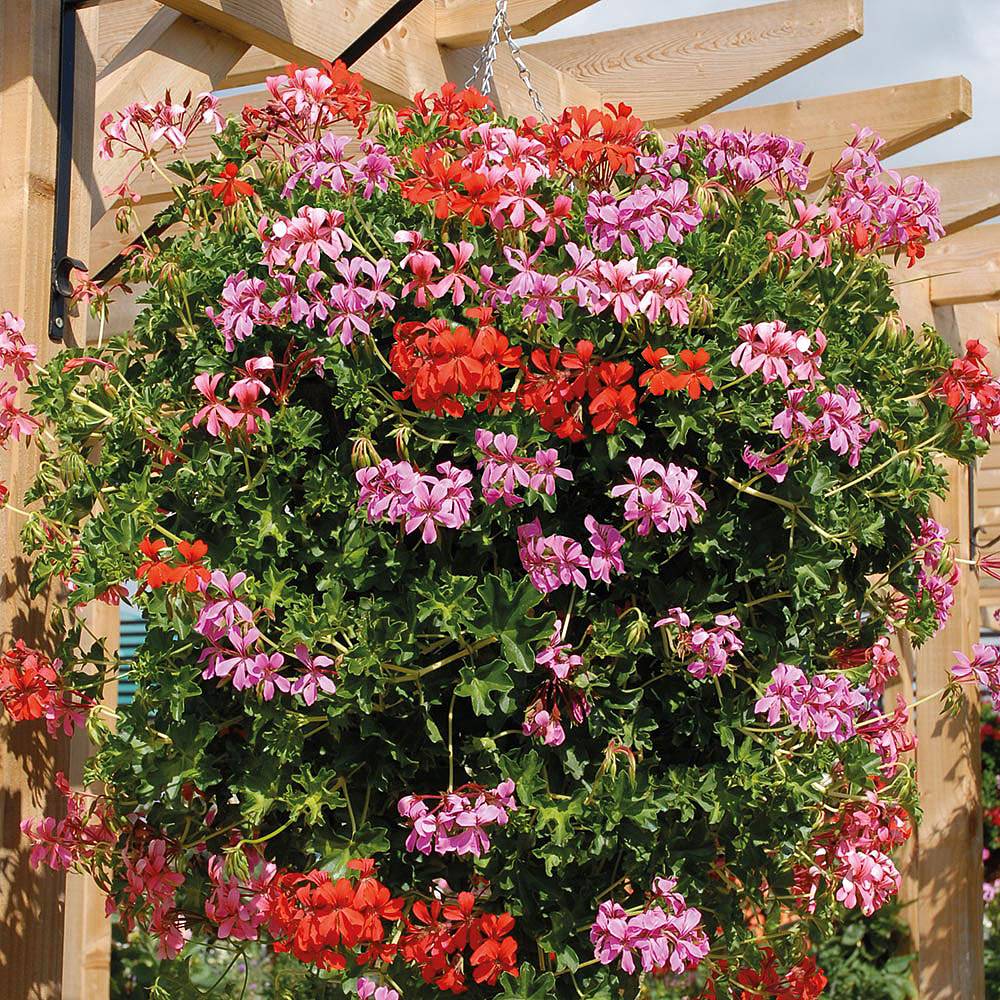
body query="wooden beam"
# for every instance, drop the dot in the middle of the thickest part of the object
(460, 23)
(676, 71)
(970, 249)
(904, 115)
(405, 60)
(170, 53)
(31, 931)
(970, 189)
(121, 21)
(978, 285)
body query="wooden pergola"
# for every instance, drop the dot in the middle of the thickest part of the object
(54, 939)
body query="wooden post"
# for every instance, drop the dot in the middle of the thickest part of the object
(949, 838)
(31, 903)
(942, 872)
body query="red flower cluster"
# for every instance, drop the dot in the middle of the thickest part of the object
(451, 107)
(438, 934)
(437, 363)
(987, 731)
(158, 573)
(319, 920)
(28, 680)
(449, 186)
(594, 144)
(229, 187)
(992, 816)
(562, 381)
(663, 377)
(970, 389)
(803, 981)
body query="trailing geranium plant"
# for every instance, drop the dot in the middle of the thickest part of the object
(522, 514)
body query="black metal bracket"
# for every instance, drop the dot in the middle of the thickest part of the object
(62, 263)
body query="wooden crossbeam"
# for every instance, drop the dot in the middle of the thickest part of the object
(904, 115)
(405, 60)
(460, 23)
(964, 268)
(676, 71)
(120, 22)
(171, 52)
(970, 189)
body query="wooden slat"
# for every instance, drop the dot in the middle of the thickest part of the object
(972, 248)
(974, 285)
(904, 115)
(970, 189)
(170, 53)
(676, 71)
(460, 23)
(87, 941)
(31, 928)
(949, 837)
(121, 20)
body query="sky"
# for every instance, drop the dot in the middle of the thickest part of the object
(904, 41)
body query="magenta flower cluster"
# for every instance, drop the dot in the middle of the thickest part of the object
(660, 497)
(235, 650)
(824, 705)
(667, 935)
(456, 822)
(504, 472)
(397, 493)
(559, 695)
(712, 646)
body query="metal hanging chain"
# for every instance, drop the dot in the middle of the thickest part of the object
(482, 69)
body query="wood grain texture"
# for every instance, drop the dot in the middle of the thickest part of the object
(676, 71)
(949, 837)
(973, 285)
(408, 59)
(963, 268)
(970, 189)
(31, 902)
(121, 20)
(904, 115)
(460, 23)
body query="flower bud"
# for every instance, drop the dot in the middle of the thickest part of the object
(363, 452)
(402, 437)
(382, 120)
(702, 309)
(706, 199)
(637, 629)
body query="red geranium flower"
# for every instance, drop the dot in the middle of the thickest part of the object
(229, 187)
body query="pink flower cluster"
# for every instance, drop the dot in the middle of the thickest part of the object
(247, 414)
(324, 164)
(779, 353)
(840, 423)
(234, 651)
(745, 159)
(153, 884)
(824, 705)
(868, 880)
(982, 669)
(652, 214)
(895, 208)
(139, 126)
(660, 497)
(458, 822)
(559, 694)
(347, 307)
(504, 471)
(368, 989)
(712, 646)
(239, 909)
(60, 844)
(667, 935)
(397, 493)
(554, 561)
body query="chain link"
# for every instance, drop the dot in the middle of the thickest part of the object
(482, 69)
